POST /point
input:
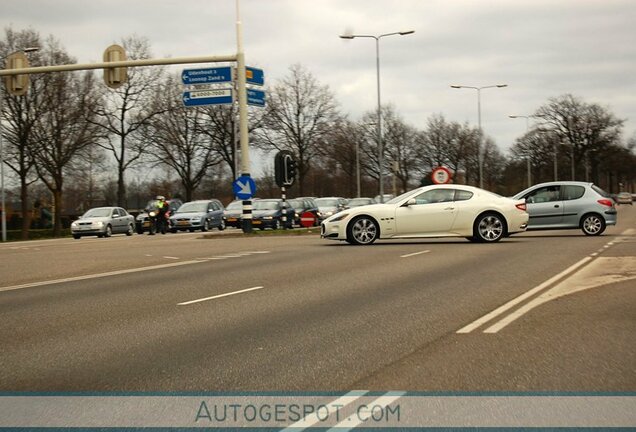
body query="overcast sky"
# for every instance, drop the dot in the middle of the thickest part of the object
(540, 48)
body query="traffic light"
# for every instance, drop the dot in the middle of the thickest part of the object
(17, 85)
(290, 170)
(115, 77)
(284, 168)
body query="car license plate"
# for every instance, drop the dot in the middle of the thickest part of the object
(231, 219)
(183, 223)
(256, 222)
(146, 224)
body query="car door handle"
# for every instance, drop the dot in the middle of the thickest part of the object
(556, 206)
(449, 208)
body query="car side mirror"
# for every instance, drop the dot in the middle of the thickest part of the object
(411, 202)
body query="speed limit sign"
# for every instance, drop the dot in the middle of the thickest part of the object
(441, 175)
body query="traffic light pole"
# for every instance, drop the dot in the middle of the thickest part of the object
(284, 205)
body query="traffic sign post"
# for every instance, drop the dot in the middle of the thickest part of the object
(254, 76)
(207, 97)
(441, 175)
(207, 75)
(255, 97)
(244, 187)
(307, 219)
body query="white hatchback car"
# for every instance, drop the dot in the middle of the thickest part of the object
(431, 211)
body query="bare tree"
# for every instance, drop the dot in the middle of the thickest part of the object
(175, 138)
(450, 144)
(64, 130)
(220, 125)
(126, 109)
(299, 118)
(584, 128)
(21, 113)
(400, 147)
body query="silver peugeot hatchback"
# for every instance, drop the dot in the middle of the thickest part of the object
(569, 204)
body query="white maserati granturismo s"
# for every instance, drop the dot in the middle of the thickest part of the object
(431, 211)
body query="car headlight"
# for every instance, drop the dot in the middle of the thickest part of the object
(152, 214)
(74, 225)
(329, 213)
(268, 217)
(339, 217)
(98, 224)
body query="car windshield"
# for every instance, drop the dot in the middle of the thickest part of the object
(265, 205)
(193, 207)
(327, 202)
(98, 212)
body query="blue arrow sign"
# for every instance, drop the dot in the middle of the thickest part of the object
(254, 76)
(207, 97)
(256, 97)
(244, 187)
(207, 75)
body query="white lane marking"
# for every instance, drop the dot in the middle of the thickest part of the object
(602, 271)
(235, 255)
(354, 420)
(219, 296)
(332, 407)
(98, 275)
(414, 253)
(171, 257)
(147, 255)
(501, 309)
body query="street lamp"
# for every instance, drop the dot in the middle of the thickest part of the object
(480, 156)
(379, 127)
(528, 153)
(2, 197)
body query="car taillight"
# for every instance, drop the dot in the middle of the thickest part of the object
(605, 202)
(521, 206)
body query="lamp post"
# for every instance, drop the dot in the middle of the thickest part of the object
(379, 126)
(480, 156)
(2, 196)
(528, 153)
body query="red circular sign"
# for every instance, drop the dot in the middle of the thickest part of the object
(441, 175)
(307, 219)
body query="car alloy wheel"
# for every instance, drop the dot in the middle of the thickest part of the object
(276, 225)
(593, 225)
(489, 228)
(206, 225)
(362, 231)
(131, 230)
(222, 225)
(109, 231)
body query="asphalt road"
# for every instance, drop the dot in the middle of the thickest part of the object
(184, 312)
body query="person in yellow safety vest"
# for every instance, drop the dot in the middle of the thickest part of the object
(162, 219)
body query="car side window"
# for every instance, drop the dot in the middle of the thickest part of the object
(544, 194)
(571, 192)
(435, 196)
(462, 195)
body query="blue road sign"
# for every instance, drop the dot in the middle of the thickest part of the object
(254, 76)
(256, 97)
(244, 187)
(207, 97)
(207, 75)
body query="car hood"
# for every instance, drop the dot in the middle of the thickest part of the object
(187, 215)
(373, 209)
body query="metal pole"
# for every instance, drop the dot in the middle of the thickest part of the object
(380, 144)
(2, 201)
(480, 155)
(358, 166)
(556, 177)
(242, 97)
